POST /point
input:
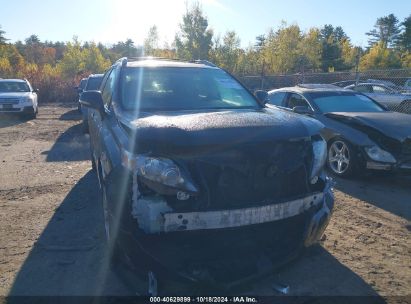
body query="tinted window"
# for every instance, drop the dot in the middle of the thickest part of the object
(276, 98)
(82, 83)
(93, 83)
(14, 86)
(344, 102)
(362, 89)
(170, 88)
(379, 89)
(296, 100)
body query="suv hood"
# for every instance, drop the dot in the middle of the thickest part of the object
(391, 124)
(221, 129)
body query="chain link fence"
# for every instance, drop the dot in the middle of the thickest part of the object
(391, 88)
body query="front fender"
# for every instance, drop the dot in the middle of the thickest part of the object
(321, 218)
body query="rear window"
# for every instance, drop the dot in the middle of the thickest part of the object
(170, 88)
(362, 88)
(83, 83)
(93, 83)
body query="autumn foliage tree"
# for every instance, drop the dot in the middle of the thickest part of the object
(56, 67)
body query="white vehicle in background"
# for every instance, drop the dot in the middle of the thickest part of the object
(18, 96)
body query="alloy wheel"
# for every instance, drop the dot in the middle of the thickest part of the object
(339, 157)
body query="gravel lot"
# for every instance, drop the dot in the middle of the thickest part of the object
(51, 231)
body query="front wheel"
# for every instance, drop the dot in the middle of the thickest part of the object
(106, 214)
(84, 127)
(341, 158)
(110, 230)
(32, 115)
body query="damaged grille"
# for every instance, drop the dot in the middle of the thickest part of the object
(227, 255)
(253, 175)
(9, 100)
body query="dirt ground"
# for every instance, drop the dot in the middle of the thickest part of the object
(52, 239)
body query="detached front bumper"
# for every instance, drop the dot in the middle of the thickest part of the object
(229, 247)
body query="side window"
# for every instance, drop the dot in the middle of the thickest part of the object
(108, 88)
(379, 89)
(276, 98)
(363, 89)
(296, 100)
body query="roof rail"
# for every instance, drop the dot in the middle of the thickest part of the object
(148, 58)
(205, 62)
(124, 60)
(317, 86)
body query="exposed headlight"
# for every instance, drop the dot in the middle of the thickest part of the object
(378, 154)
(159, 170)
(320, 156)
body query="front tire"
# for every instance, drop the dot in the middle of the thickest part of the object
(106, 214)
(33, 114)
(84, 127)
(341, 158)
(110, 231)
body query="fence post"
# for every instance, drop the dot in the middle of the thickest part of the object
(357, 63)
(262, 75)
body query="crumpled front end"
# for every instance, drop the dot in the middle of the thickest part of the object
(400, 152)
(229, 247)
(219, 235)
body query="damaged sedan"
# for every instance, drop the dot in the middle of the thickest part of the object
(361, 134)
(199, 180)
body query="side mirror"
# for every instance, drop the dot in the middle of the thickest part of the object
(36, 90)
(303, 110)
(262, 96)
(93, 100)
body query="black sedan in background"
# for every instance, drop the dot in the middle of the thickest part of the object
(360, 133)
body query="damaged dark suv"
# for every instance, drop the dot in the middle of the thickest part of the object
(198, 178)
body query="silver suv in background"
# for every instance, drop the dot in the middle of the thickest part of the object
(18, 96)
(393, 99)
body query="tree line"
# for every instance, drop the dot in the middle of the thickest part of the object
(55, 67)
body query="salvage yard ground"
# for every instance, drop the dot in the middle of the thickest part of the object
(52, 239)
